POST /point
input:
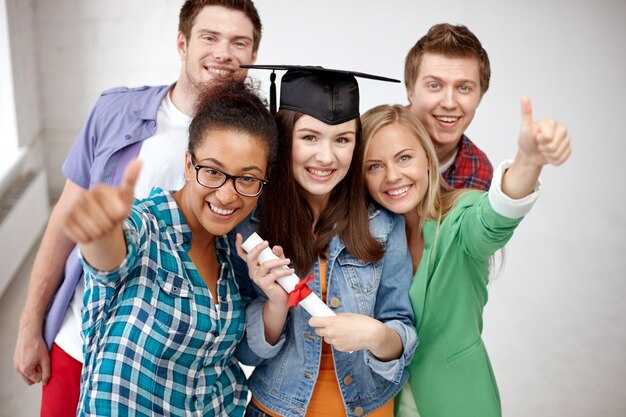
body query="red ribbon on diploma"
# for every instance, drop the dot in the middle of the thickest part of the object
(300, 292)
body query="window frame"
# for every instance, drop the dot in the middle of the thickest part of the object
(10, 151)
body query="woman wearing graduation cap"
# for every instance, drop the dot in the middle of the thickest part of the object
(316, 211)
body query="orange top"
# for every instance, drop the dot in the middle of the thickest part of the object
(326, 400)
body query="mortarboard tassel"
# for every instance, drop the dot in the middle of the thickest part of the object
(273, 93)
(329, 95)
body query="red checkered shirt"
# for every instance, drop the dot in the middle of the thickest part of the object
(471, 168)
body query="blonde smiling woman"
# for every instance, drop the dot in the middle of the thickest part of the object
(451, 236)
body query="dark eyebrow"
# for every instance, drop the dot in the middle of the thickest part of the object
(307, 129)
(214, 32)
(221, 165)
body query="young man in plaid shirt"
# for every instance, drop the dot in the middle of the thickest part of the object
(446, 74)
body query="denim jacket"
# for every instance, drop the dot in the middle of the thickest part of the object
(286, 372)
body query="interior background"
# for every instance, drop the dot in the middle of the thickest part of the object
(554, 325)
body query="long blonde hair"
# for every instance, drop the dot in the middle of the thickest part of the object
(439, 197)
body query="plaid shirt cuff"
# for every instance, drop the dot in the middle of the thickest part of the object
(112, 277)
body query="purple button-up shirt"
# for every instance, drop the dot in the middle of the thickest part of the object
(118, 123)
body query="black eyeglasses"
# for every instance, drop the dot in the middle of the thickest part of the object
(245, 185)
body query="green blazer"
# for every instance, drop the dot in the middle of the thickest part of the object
(450, 375)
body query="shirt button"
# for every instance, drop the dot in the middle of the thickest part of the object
(358, 411)
(347, 380)
(128, 136)
(175, 290)
(334, 302)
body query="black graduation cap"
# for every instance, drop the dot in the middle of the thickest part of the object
(329, 95)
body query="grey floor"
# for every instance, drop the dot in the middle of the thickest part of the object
(16, 398)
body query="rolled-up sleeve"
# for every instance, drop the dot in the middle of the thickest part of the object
(392, 370)
(505, 205)
(393, 305)
(254, 349)
(134, 235)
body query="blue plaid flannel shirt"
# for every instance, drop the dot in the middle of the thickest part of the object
(155, 341)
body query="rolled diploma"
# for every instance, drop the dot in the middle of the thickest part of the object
(312, 303)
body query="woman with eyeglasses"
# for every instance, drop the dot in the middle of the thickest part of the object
(163, 313)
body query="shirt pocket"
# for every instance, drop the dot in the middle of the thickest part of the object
(173, 299)
(362, 277)
(463, 353)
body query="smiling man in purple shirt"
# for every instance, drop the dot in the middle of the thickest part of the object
(215, 37)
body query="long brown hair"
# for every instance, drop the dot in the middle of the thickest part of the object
(287, 220)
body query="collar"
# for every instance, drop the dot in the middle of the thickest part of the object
(150, 111)
(464, 148)
(164, 207)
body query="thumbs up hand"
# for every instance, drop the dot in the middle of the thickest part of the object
(103, 208)
(543, 142)
(540, 143)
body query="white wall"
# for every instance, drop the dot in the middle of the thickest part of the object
(555, 322)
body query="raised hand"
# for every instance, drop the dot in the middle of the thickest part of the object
(540, 143)
(103, 208)
(95, 221)
(543, 142)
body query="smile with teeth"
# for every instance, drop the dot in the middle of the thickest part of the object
(218, 71)
(398, 191)
(221, 212)
(320, 173)
(447, 119)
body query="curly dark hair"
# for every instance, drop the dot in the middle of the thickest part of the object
(237, 106)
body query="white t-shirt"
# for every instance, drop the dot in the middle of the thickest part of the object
(444, 167)
(163, 156)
